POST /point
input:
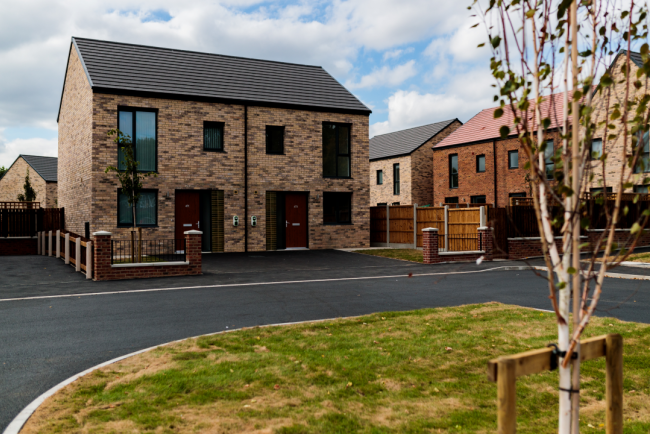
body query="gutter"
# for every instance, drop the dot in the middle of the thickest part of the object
(494, 154)
(246, 178)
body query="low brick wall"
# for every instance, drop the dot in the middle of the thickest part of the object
(18, 246)
(103, 270)
(621, 237)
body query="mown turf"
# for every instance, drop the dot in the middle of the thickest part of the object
(397, 372)
(413, 255)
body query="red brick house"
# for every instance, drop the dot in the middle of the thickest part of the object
(256, 154)
(475, 165)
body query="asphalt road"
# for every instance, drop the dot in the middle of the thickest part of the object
(43, 341)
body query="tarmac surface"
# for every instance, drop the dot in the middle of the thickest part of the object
(54, 323)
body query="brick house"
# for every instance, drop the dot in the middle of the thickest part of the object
(256, 154)
(475, 165)
(401, 168)
(42, 177)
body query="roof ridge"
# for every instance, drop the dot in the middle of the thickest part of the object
(412, 128)
(194, 52)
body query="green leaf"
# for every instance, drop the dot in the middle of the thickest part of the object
(571, 270)
(504, 131)
(495, 41)
(482, 44)
(530, 13)
(498, 113)
(615, 114)
(635, 228)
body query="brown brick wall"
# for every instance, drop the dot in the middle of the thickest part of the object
(12, 184)
(52, 195)
(75, 188)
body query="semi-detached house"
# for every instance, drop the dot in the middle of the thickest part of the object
(256, 154)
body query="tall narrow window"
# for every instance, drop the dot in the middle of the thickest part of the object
(213, 136)
(336, 150)
(453, 171)
(480, 163)
(140, 126)
(396, 178)
(643, 164)
(549, 153)
(596, 148)
(146, 211)
(513, 159)
(380, 177)
(274, 140)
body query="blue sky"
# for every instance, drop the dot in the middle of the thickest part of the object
(412, 62)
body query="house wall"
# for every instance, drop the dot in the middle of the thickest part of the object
(12, 184)
(384, 193)
(183, 165)
(52, 195)
(74, 178)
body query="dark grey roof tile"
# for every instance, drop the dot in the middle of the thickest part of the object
(405, 141)
(46, 167)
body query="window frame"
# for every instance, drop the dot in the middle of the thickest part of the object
(591, 149)
(337, 209)
(646, 169)
(380, 177)
(144, 190)
(513, 152)
(451, 176)
(646, 187)
(396, 180)
(223, 131)
(349, 154)
(546, 160)
(452, 203)
(133, 111)
(477, 164)
(276, 128)
(471, 199)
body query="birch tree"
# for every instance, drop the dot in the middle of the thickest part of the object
(580, 52)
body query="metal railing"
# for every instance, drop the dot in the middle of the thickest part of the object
(147, 251)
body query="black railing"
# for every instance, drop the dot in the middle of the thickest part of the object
(147, 251)
(464, 242)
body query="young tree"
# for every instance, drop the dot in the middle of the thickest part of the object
(28, 195)
(562, 48)
(3, 170)
(129, 177)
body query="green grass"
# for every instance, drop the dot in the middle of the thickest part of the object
(397, 372)
(640, 257)
(412, 255)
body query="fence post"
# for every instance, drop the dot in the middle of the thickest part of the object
(446, 228)
(44, 250)
(89, 259)
(102, 257)
(77, 255)
(482, 216)
(58, 243)
(49, 243)
(415, 225)
(387, 225)
(38, 243)
(430, 246)
(506, 396)
(614, 384)
(67, 248)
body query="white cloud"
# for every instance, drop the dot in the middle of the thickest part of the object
(9, 150)
(385, 76)
(394, 54)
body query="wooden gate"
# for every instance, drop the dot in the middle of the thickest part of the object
(463, 224)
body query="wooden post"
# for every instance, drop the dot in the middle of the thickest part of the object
(49, 243)
(139, 244)
(43, 247)
(77, 255)
(58, 243)
(415, 225)
(67, 248)
(387, 225)
(38, 243)
(506, 397)
(446, 228)
(89, 259)
(614, 384)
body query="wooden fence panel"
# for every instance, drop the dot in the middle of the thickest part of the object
(401, 224)
(463, 224)
(377, 224)
(431, 217)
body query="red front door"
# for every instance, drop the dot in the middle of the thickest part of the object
(187, 212)
(296, 219)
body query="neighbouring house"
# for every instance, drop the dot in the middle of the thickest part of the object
(474, 165)
(42, 177)
(614, 148)
(256, 154)
(401, 168)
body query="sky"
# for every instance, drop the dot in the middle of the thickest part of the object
(412, 62)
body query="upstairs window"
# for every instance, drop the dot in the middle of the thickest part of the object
(146, 211)
(549, 153)
(480, 163)
(396, 178)
(453, 171)
(643, 163)
(274, 140)
(513, 159)
(380, 177)
(140, 126)
(596, 149)
(337, 208)
(336, 150)
(213, 136)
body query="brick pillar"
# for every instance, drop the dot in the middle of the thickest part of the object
(487, 242)
(102, 266)
(193, 250)
(430, 245)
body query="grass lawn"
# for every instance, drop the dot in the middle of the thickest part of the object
(412, 255)
(397, 372)
(635, 257)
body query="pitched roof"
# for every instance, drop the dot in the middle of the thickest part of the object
(483, 126)
(46, 167)
(114, 67)
(405, 141)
